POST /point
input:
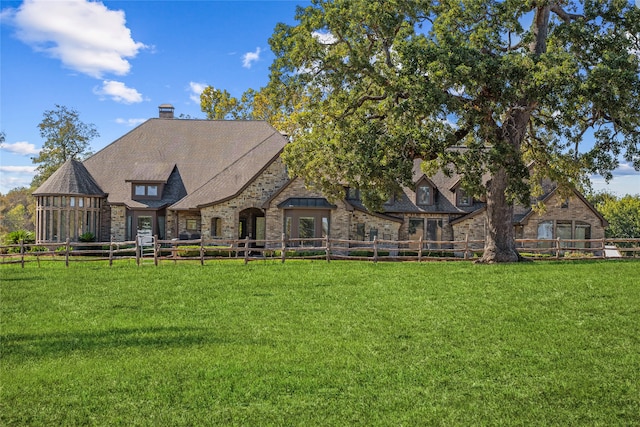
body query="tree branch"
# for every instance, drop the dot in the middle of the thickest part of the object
(564, 15)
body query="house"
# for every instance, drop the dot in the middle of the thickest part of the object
(186, 179)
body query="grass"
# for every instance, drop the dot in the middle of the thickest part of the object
(315, 343)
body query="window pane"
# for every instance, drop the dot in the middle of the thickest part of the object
(152, 190)
(139, 190)
(360, 231)
(306, 227)
(545, 231)
(287, 227)
(424, 195)
(325, 226)
(563, 231)
(260, 228)
(416, 227)
(72, 202)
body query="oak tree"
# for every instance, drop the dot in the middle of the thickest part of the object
(66, 137)
(484, 88)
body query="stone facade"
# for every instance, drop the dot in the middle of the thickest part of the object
(365, 226)
(118, 222)
(573, 211)
(254, 196)
(473, 228)
(340, 216)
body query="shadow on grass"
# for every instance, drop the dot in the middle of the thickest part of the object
(23, 346)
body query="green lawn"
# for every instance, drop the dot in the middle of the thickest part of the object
(315, 343)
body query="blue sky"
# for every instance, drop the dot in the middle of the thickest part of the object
(115, 62)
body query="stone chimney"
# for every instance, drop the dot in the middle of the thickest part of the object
(166, 111)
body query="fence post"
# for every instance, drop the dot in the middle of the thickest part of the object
(246, 250)
(22, 253)
(558, 248)
(327, 249)
(375, 248)
(283, 249)
(66, 253)
(466, 246)
(111, 252)
(420, 249)
(156, 247)
(202, 251)
(137, 250)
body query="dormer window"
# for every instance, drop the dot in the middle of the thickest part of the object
(424, 194)
(145, 191)
(353, 193)
(463, 198)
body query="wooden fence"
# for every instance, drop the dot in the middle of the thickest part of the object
(147, 249)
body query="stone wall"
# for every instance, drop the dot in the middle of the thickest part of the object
(118, 222)
(340, 217)
(254, 196)
(386, 229)
(556, 210)
(105, 222)
(473, 228)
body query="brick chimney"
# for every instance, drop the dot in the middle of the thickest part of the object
(166, 111)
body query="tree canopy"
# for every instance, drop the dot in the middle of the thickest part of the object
(66, 137)
(484, 88)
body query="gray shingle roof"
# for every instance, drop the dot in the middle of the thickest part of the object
(214, 159)
(71, 178)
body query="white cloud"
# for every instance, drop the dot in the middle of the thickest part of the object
(119, 92)
(196, 89)
(15, 176)
(29, 170)
(85, 35)
(324, 38)
(22, 148)
(130, 122)
(250, 57)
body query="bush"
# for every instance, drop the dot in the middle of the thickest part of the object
(87, 237)
(193, 251)
(15, 237)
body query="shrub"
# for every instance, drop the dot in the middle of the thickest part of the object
(15, 237)
(87, 237)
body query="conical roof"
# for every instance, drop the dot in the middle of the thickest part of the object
(71, 178)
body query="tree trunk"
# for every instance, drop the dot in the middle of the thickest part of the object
(500, 245)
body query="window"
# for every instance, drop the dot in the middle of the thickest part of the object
(146, 191)
(306, 224)
(67, 217)
(353, 193)
(360, 231)
(582, 232)
(192, 224)
(564, 230)
(216, 227)
(373, 234)
(416, 227)
(434, 231)
(462, 198)
(423, 195)
(306, 227)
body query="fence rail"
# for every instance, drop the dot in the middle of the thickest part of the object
(149, 249)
